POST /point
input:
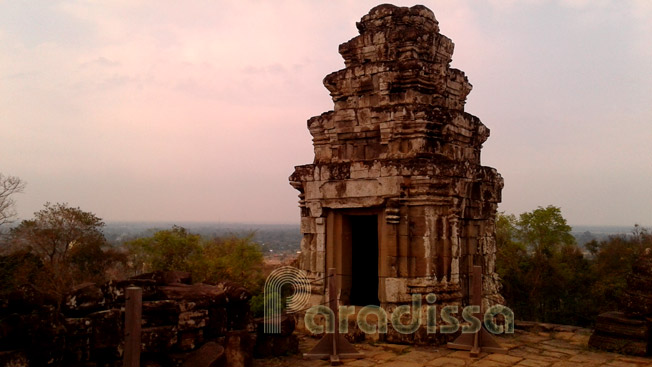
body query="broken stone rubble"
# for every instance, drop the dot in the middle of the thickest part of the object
(177, 319)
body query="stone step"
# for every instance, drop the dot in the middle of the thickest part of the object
(617, 324)
(618, 344)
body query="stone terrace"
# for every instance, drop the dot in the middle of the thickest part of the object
(541, 346)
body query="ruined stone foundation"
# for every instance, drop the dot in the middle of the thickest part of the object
(396, 198)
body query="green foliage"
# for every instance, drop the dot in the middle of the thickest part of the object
(546, 277)
(511, 262)
(612, 261)
(544, 230)
(94, 261)
(172, 249)
(232, 258)
(257, 302)
(272, 297)
(541, 266)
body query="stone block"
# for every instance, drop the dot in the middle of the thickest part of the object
(158, 339)
(614, 331)
(107, 329)
(217, 324)
(193, 319)
(25, 298)
(200, 293)
(78, 326)
(616, 323)
(391, 247)
(320, 242)
(307, 225)
(395, 289)
(114, 291)
(83, 299)
(420, 247)
(421, 266)
(190, 339)
(403, 266)
(165, 277)
(163, 312)
(403, 245)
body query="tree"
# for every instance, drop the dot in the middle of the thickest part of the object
(233, 258)
(96, 262)
(9, 185)
(612, 261)
(171, 249)
(16, 269)
(545, 276)
(69, 244)
(547, 236)
(544, 229)
(512, 263)
(55, 230)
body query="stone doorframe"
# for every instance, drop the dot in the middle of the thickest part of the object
(339, 247)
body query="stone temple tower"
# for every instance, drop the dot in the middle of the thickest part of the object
(396, 198)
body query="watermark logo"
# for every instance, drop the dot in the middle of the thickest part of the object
(415, 313)
(273, 298)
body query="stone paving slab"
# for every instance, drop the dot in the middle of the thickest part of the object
(525, 349)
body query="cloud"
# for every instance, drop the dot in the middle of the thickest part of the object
(198, 111)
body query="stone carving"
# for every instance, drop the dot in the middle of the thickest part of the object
(399, 150)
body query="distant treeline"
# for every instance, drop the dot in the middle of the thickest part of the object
(585, 234)
(274, 238)
(286, 238)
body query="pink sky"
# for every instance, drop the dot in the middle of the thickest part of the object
(149, 110)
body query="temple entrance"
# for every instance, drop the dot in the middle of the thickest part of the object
(353, 249)
(364, 260)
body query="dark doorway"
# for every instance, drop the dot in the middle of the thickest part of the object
(364, 260)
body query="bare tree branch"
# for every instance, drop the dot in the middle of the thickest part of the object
(9, 185)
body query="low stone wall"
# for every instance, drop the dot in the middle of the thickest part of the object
(616, 332)
(629, 331)
(88, 329)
